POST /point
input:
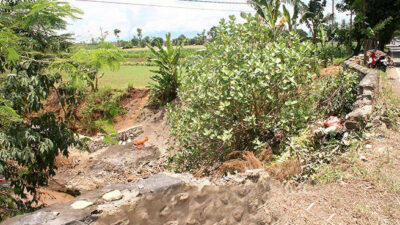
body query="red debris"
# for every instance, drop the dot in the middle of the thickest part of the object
(333, 121)
(142, 142)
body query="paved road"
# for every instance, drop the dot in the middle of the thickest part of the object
(394, 73)
(394, 52)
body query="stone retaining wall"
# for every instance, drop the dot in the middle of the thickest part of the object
(165, 199)
(368, 90)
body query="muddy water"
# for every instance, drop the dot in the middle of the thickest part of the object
(50, 197)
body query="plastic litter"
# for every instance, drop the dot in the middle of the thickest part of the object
(140, 143)
(333, 121)
(332, 124)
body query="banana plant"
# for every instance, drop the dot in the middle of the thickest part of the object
(166, 78)
(269, 11)
(291, 20)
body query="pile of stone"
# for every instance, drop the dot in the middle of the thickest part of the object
(123, 137)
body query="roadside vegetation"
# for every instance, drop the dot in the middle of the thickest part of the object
(245, 87)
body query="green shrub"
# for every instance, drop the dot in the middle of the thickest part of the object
(241, 94)
(336, 93)
(99, 111)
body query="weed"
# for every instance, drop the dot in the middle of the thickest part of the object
(99, 111)
(329, 174)
(389, 104)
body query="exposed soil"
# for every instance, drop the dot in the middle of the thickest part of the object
(133, 101)
(332, 69)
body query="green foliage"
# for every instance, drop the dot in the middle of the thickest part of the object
(242, 92)
(166, 80)
(9, 206)
(292, 19)
(269, 10)
(99, 111)
(336, 93)
(31, 139)
(314, 151)
(90, 63)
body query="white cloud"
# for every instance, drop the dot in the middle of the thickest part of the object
(153, 20)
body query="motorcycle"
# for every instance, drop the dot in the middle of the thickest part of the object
(378, 61)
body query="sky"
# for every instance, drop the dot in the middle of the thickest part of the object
(191, 18)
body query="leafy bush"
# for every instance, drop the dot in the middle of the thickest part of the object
(243, 93)
(165, 87)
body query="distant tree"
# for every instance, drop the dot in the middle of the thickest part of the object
(139, 37)
(182, 39)
(157, 40)
(103, 35)
(116, 33)
(125, 44)
(135, 41)
(199, 39)
(146, 41)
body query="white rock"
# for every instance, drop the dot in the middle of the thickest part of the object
(81, 204)
(112, 195)
(368, 146)
(363, 158)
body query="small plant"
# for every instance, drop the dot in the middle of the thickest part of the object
(390, 104)
(336, 93)
(166, 84)
(100, 109)
(91, 63)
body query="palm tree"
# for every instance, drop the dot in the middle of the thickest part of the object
(313, 16)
